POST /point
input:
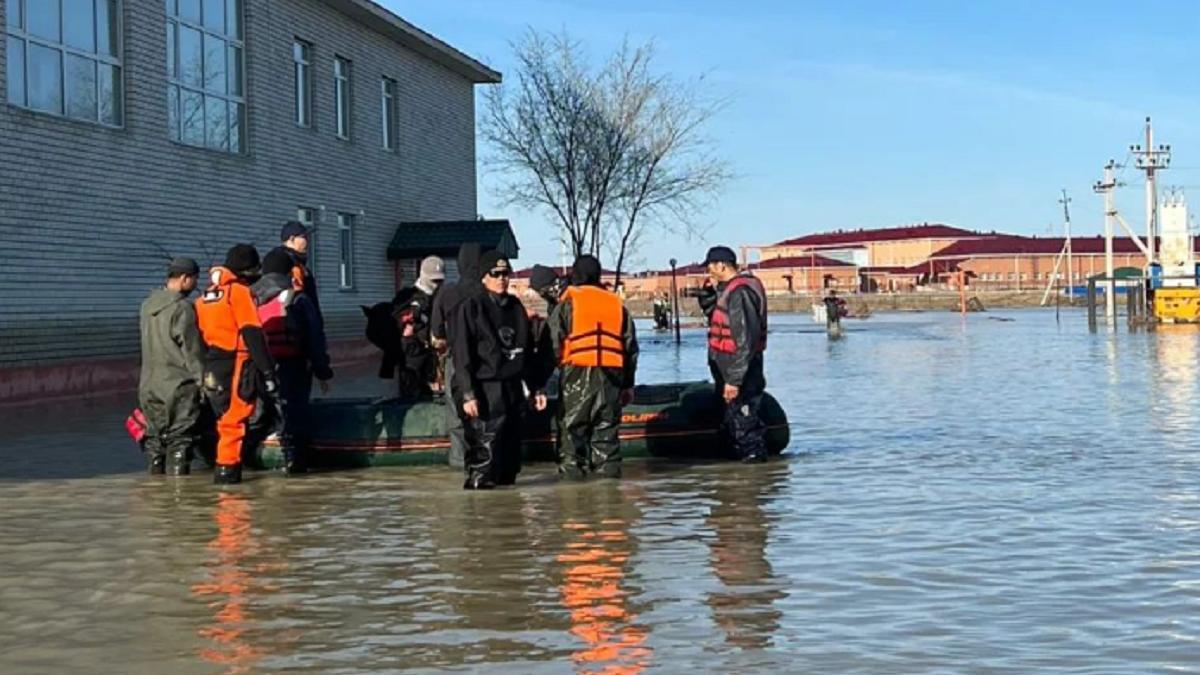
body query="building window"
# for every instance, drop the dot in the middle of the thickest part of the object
(206, 99)
(345, 250)
(63, 58)
(301, 55)
(388, 99)
(341, 96)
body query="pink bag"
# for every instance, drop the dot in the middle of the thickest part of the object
(136, 425)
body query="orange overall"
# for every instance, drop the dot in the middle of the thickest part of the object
(228, 319)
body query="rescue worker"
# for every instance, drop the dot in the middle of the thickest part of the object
(172, 370)
(445, 305)
(737, 338)
(239, 366)
(294, 238)
(490, 344)
(296, 341)
(413, 310)
(595, 340)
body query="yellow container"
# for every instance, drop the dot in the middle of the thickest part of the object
(1177, 305)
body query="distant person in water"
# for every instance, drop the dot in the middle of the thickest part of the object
(737, 338)
(835, 310)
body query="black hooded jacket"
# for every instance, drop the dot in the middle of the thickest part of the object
(448, 299)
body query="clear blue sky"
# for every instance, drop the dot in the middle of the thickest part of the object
(871, 114)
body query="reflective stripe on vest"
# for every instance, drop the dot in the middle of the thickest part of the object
(720, 333)
(597, 319)
(281, 342)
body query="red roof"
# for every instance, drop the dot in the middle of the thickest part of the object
(1003, 245)
(560, 271)
(799, 261)
(939, 266)
(923, 231)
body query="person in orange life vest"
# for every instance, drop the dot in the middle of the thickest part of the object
(295, 240)
(737, 338)
(239, 365)
(296, 340)
(597, 348)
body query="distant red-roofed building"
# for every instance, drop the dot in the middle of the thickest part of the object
(881, 247)
(1010, 262)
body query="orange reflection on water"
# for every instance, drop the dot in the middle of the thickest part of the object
(227, 589)
(591, 591)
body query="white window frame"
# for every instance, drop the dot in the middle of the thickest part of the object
(302, 71)
(342, 74)
(387, 99)
(308, 217)
(346, 223)
(18, 33)
(235, 103)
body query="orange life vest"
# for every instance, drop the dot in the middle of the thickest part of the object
(720, 334)
(226, 307)
(597, 320)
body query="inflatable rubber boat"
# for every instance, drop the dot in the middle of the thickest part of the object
(665, 420)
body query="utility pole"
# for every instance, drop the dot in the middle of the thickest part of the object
(1066, 204)
(1151, 159)
(1105, 187)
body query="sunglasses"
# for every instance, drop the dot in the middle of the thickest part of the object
(499, 274)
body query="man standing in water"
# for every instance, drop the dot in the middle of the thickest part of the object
(597, 347)
(490, 345)
(445, 305)
(737, 338)
(172, 369)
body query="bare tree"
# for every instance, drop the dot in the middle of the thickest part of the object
(607, 151)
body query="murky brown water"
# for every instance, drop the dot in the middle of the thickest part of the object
(1005, 497)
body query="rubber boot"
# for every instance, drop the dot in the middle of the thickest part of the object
(609, 470)
(571, 472)
(293, 463)
(755, 458)
(226, 474)
(180, 463)
(479, 481)
(157, 464)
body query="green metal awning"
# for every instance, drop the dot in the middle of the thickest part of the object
(444, 237)
(1121, 274)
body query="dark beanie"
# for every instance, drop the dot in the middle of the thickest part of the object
(541, 278)
(277, 262)
(492, 260)
(585, 271)
(242, 258)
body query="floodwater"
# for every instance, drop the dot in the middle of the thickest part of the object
(985, 496)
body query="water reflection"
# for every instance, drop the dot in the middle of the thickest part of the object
(745, 608)
(1176, 349)
(229, 586)
(593, 568)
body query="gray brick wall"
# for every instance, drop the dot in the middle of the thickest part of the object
(84, 209)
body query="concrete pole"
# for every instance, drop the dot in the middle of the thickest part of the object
(1105, 189)
(1066, 201)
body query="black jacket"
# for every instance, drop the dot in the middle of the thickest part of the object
(448, 299)
(303, 321)
(310, 282)
(745, 322)
(490, 339)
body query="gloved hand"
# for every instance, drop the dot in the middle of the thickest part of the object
(271, 385)
(707, 297)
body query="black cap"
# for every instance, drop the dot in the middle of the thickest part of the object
(493, 260)
(242, 258)
(292, 228)
(541, 278)
(278, 262)
(182, 266)
(720, 254)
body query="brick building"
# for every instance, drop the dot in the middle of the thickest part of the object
(136, 129)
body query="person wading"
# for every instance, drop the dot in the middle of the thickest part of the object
(737, 338)
(172, 369)
(296, 340)
(490, 345)
(597, 348)
(238, 360)
(445, 305)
